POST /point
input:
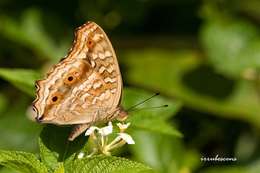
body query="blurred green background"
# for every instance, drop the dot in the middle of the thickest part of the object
(202, 55)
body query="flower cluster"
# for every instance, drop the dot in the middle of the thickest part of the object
(99, 137)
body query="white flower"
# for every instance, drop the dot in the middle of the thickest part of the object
(101, 141)
(126, 137)
(91, 130)
(104, 131)
(123, 127)
(81, 155)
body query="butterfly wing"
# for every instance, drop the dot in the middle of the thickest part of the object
(102, 58)
(86, 86)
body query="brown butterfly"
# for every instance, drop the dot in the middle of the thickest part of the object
(85, 87)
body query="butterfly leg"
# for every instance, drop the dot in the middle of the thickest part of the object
(77, 130)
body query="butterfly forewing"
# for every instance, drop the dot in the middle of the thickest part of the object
(85, 87)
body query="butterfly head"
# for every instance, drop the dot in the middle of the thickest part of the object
(122, 115)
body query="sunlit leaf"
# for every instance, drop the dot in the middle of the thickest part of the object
(60, 169)
(55, 147)
(21, 78)
(22, 162)
(107, 164)
(6, 170)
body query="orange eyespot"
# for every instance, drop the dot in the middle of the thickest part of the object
(90, 44)
(72, 77)
(55, 98)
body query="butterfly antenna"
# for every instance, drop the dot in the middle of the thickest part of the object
(154, 107)
(138, 104)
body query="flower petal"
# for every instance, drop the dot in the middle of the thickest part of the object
(106, 130)
(127, 138)
(81, 155)
(91, 130)
(123, 126)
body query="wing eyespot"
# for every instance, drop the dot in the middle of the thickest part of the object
(54, 99)
(72, 77)
(90, 44)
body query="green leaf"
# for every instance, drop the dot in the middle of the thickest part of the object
(21, 78)
(154, 125)
(7, 170)
(16, 129)
(163, 153)
(232, 46)
(106, 164)
(30, 33)
(22, 162)
(151, 119)
(171, 72)
(55, 147)
(3, 102)
(60, 169)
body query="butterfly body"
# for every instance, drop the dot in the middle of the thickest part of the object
(85, 87)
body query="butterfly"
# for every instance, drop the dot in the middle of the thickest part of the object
(85, 87)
